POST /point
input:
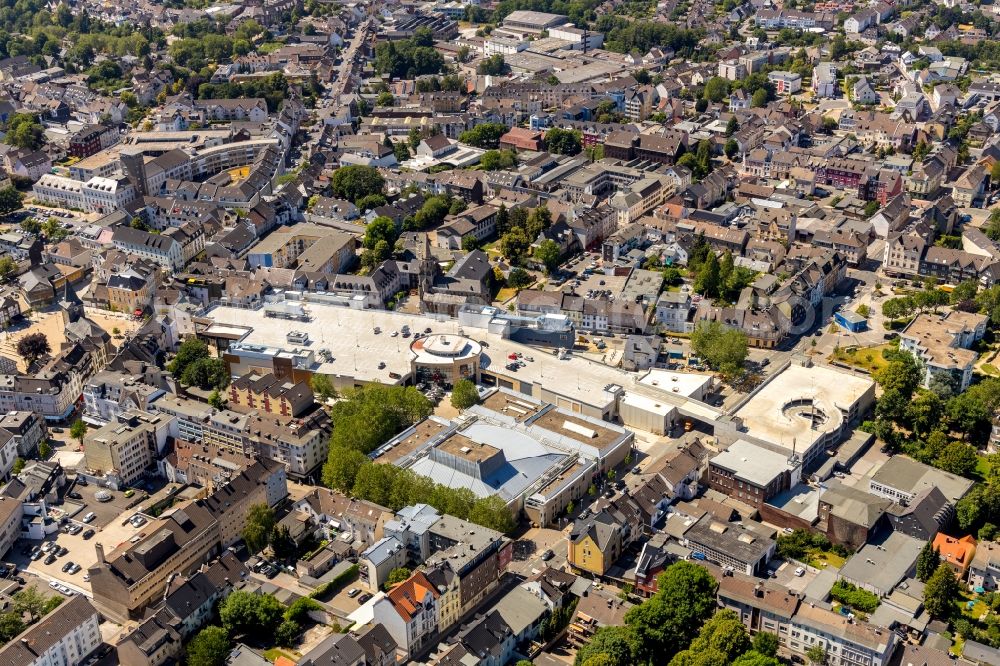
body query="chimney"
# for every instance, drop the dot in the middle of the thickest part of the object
(100, 552)
(758, 591)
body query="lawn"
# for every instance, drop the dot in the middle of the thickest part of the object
(506, 294)
(989, 369)
(274, 653)
(822, 559)
(269, 47)
(866, 358)
(983, 467)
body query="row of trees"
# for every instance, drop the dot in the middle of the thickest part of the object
(368, 417)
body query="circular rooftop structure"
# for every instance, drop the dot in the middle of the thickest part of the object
(446, 346)
(444, 358)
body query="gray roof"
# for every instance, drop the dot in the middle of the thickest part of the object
(883, 561)
(520, 609)
(910, 476)
(752, 463)
(736, 540)
(382, 550)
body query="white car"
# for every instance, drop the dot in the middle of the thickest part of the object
(800, 571)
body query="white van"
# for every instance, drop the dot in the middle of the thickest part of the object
(89, 517)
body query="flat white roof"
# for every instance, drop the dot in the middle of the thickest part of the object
(684, 384)
(767, 415)
(357, 351)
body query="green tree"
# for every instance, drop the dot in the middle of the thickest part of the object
(25, 131)
(732, 126)
(354, 182)
(484, 135)
(18, 466)
(927, 562)
(464, 394)
(958, 458)
(368, 417)
(191, 350)
(322, 387)
(766, 643)
(380, 230)
(78, 430)
(817, 653)
(514, 244)
(400, 151)
(731, 148)
(941, 592)
(563, 142)
(759, 98)
(385, 99)
(709, 277)
(247, 613)
(287, 632)
(723, 348)
(341, 468)
(299, 609)
(11, 625)
(548, 253)
(492, 512)
(206, 373)
(210, 647)
(716, 88)
(518, 278)
(723, 635)
(282, 544)
(992, 228)
(492, 66)
(397, 575)
(8, 267)
(616, 645)
(215, 399)
(755, 658)
(44, 450)
(414, 138)
(10, 200)
(670, 619)
(372, 200)
(260, 521)
(496, 160)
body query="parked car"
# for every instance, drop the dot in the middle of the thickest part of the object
(74, 495)
(353, 592)
(548, 555)
(88, 534)
(49, 559)
(89, 518)
(364, 598)
(800, 571)
(66, 567)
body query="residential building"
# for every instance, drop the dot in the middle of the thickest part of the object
(409, 613)
(595, 544)
(120, 452)
(942, 343)
(902, 478)
(67, 635)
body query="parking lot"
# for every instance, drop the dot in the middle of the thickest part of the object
(106, 525)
